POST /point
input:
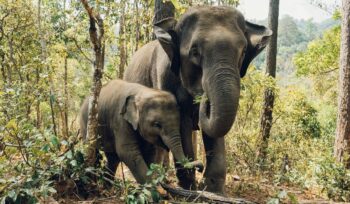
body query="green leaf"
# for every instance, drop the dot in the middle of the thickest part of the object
(52, 190)
(54, 141)
(73, 163)
(149, 173)
(3, 200)
(141, 199)
(12, 124)
(282, 194)
(176, 4)
(69, 154)
(12, 194)
(273, 201)
(52, 98)
(45, 148)
(64, 142)
(155, 196)
(79, 157)
(293, 199)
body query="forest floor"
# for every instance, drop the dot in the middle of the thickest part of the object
(251, 189)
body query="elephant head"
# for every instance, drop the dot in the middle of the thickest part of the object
(156, 116)
(211, 49)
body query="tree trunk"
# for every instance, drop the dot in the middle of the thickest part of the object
(38, 70)
(122, 46)
(98, 42)
(342, 141)
(269, 97)
(162, 10)
(137, 25)
(65, 109)
(43, 58)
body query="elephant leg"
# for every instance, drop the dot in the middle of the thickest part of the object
(150, 154)
(186, 176)
(131, 155)
(215, 171)
(112, 163)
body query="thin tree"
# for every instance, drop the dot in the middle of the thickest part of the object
(98, 42)
(269, 96)
(163, 10)
(38, 70)
(44, 58)
(342, 141)
(121, 39)
(65, 76)
(137, 25)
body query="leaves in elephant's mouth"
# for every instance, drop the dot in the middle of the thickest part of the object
(197, 99)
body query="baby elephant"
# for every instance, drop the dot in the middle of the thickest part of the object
(132, 120)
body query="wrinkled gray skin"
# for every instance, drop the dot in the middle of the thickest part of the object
(133, 119)
(204, 54)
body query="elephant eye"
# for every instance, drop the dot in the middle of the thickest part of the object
(157, 124)
(195, 55)
(194, 51)
(244, 53)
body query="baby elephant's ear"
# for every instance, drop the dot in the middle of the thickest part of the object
(130, 111)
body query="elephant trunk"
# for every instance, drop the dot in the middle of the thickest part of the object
(175, 146)
(219, 104)
(173, 142)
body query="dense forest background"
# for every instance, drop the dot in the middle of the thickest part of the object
(46, 65)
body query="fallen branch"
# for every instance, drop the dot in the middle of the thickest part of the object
(203, 196)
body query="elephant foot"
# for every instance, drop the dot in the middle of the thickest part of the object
(188, 185)
(186, 179)
(213, 185)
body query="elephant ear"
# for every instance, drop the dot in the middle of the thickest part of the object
(130, 111)
(167, 37)
(258, 37)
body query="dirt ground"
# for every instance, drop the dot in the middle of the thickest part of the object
(251, 189)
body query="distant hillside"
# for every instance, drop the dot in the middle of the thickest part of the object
(293, 36)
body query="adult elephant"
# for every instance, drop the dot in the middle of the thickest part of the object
(204, 54)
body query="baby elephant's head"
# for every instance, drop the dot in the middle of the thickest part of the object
(155, 115)
(159, 118)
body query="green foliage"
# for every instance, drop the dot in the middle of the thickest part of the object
(322, 55)
(283, 197)
(301, 115)
(293, 36)
(35, 177)
(45, 73)
(243, 138)
(302, 133)
(320, 63)
(148, 193)
(289, 33)
(334, 179)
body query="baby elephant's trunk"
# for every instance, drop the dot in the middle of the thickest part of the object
(174, 144)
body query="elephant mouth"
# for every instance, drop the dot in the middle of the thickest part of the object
(207, 108)
(161, 144)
